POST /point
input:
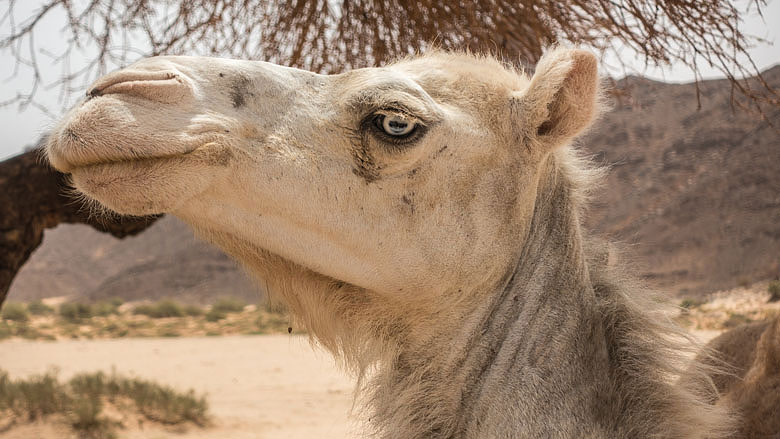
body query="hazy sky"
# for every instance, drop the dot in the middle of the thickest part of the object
(23, 128)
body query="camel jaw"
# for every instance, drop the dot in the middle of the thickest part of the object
(124, 186)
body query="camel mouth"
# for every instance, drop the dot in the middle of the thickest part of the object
(120, 162)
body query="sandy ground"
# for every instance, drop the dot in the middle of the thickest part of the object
(268, 386)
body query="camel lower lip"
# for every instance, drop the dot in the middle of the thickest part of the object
(209, 152)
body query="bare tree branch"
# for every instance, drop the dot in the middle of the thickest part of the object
(34, 198)
(330, 35)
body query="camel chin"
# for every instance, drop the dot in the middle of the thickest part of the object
(143, 187)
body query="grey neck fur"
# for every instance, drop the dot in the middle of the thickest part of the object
(548, 354)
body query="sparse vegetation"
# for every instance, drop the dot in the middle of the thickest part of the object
(24, 330)
(228, 305)
(38, 308)
(215, 315)
(85, 418)
(774, 291)
(193, 310)
(75, 312)
(269, 322)
(687, 304)
(81, 402)
(5, 330)
(727, 309)
(736, 319)
(33, 398)
(163, 404)
(15, 311)
(169, 330)
(105, 308)
(161, 309)
(166, 318)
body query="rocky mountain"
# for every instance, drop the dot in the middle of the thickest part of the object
(165, 261)
(693, 195)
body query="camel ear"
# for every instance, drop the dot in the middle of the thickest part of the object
(562, 99)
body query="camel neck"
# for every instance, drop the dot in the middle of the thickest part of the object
(540, 331)
(532, 347)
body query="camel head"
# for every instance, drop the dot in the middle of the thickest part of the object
(418, 176)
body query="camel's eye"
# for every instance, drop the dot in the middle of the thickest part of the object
(395, 125)
(394, 128)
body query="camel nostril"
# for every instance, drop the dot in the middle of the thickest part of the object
(162, 86)
(93, 93)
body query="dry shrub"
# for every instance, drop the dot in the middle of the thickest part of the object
(16, 312)
(82, 399)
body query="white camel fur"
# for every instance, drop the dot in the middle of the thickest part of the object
(421, 220)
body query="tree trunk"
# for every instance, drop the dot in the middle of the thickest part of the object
(34, 197)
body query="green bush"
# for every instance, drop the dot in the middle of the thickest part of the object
(161, 309)
(215, 315)
(228, 304)
(16, 312)
(193, 310)
(39, 308)
(104, 308)
(144, 310)
(75, 311)
(114, 329)
(774, 291)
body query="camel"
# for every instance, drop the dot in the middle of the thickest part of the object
(421, 220)
(751, 385)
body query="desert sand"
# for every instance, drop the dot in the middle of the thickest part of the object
(268, 386)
